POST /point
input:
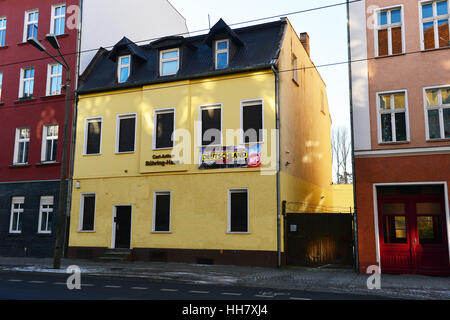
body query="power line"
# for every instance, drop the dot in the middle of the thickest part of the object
(196, 31)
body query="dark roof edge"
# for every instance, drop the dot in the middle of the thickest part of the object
(101, 53)
(205, 75)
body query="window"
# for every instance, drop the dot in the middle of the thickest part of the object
(1, 84)
(211, 127)
(169, 62)
(21, 146)
(222, 54)
(295, 69)
(126, 133)
(161, 212)
(238, 210)
(124, 68)
(45, 215)
(49, 143)
(58, 21)
(437, 107)
(389, 32)
(26, 83)
(435, 24)
(164, 127)
(15, 224)
(2, 32)
(252, 121)
(92, 136)
(31, 25)
(393, 117)
(54, 79)
(87, 212)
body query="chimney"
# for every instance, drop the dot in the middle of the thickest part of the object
(304, 39)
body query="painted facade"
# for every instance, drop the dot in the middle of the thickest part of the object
(201, 212)
(401, 133)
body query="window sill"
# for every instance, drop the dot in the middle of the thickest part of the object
(162, 149)
(435, 49)
(86, 231)
(53, 96)
(244, 233)
(127, 152)
(2, 103)
(49, 163)
(3, 47)
(391, 55)
(161, 232)
(439, 140)
(24, 165)
(25, 100)
(91, 155)
(390, 143)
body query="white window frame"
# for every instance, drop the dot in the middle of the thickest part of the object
(54, 17)
(19, 140)
(80, 220)
(238, 190)
(218, 51)
(3, 29)
(50, 77)
(23, 80)
(155, 126)
(206, 107)
(45, 138)
(162, 61)
(1, 85)
(439, 107)
(125, 116)
(246, 103)
(86, 126)
(433, 19)
(19, 212)
(392, 113)
(121, 66)
(389, 27)
(45, 201)
(155, 194)
(27, 23)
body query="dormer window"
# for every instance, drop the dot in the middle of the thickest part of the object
(169, 62)
(222, 54)
(124, 68)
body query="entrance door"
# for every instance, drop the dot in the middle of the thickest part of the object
(122, 222)
(413, 234)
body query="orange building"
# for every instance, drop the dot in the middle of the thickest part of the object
(401, 125)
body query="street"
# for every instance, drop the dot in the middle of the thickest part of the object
(33, 286)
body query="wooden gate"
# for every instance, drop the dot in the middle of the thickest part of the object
(316, 239)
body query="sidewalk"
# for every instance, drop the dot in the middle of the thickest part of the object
(309, 279)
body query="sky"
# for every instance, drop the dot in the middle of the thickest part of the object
(327, 29)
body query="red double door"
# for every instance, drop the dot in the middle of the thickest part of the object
(413, 234)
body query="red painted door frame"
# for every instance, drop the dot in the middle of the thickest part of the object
(407, 254)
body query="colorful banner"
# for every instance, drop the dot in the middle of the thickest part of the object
(245, 156)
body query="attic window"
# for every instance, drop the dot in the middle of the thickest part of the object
(123, 70)
(222, 54)
(169, 62)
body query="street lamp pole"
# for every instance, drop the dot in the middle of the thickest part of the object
(62, 185)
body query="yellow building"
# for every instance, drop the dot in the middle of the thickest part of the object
(186, 147)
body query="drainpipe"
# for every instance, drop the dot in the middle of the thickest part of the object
(277, 126)
(355, 213)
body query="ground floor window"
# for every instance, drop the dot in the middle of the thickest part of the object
(46, 215)
(161, 211)
(238, 210)
(87, 212)
(16, 214)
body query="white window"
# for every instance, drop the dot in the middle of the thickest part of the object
(124, 68)
(389, 30)
(222, 54)
(295, 69)
(252, 121)
(393, 117)
(26, 86)
(21, 146)
(57, 24)
(87, 213)
(1, 84)
(238, 209)
(164, 126)
(54, 79)
(31, 25)
(161, 211)
(93, 136)
(434, 24)
(211, 125)
(126, 133)
(15, 224)
(2, 31)
(437, 112)
(169, 62)
(45, 215)
(49, 143)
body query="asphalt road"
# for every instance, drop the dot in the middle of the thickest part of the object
(41, 286)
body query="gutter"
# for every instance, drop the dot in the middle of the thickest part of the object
(277, 126)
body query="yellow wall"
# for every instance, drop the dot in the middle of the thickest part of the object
(343, 197)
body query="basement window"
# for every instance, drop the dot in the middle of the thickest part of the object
(238, 211)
